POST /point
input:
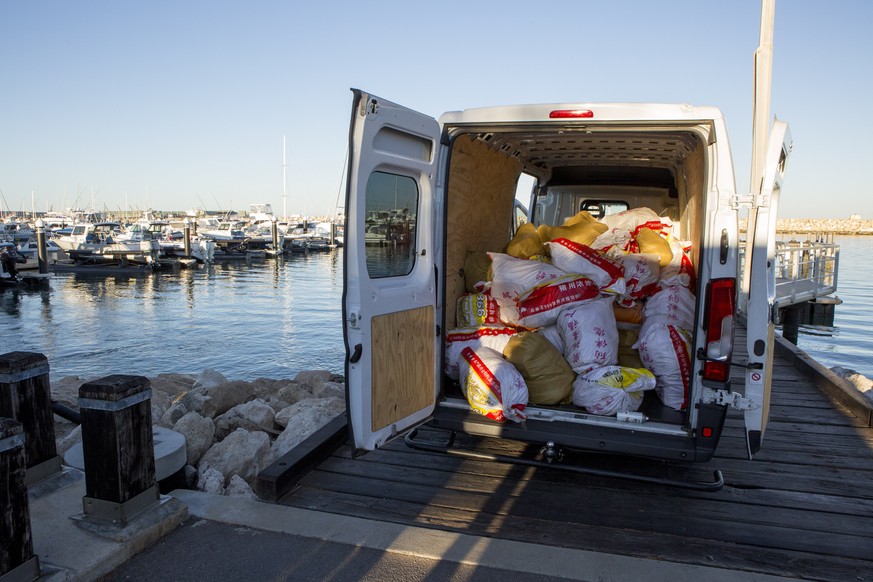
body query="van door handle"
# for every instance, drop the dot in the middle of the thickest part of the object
(356, 354)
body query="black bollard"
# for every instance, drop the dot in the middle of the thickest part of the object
(25, 395)
(187, 238)
(274, 230)
(42, 252)
(17, 561)
(118, 448)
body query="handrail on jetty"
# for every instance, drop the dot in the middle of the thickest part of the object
(805, 270)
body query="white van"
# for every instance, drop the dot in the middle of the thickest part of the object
(434, 191)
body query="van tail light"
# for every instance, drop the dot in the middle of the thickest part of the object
(571, 114)
(719, 312)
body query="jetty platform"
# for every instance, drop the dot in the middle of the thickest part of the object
(802, 509)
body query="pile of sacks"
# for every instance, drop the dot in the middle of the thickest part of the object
(590, 312)
(233, 428)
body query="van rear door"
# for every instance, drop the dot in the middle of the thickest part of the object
(759, 273)
(389, 287)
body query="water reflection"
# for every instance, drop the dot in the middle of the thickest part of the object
(268, 318)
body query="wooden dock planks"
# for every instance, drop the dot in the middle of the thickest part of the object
(802, 508)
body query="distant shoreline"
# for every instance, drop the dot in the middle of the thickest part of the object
(811, 226)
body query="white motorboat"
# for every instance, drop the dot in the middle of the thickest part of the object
(105, 241)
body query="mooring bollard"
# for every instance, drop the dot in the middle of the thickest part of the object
(118, 448)
(17, 561)
(274, 231)
(187, 235)
(41, 251)
(25, 396)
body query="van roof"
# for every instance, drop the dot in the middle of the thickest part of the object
(581, 111)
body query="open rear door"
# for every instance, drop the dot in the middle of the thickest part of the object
(390, 289)
(760, 273)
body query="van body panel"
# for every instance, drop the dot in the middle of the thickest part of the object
(759, 277)
(390, 292)
(672, 159)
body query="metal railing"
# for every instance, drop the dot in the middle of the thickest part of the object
(805, 270)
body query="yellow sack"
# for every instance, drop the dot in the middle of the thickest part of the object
(650, 242)
(582, 233)
(628, 357)
(526, 243)
(547, 374)
(477, 267)
(581, 217)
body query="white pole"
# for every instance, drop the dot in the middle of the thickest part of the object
(763, 81)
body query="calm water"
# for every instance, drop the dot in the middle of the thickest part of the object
(850, 343)
(262, 319)
(272, 319)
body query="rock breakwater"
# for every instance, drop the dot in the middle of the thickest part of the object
(233, 428)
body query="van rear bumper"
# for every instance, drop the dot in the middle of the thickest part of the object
(686, 446)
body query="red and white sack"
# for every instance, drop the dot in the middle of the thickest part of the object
(589, 335)
(675, 303)
(573, 257)
(641, 273)
(541, 305)
(471, 337)
(477, 310)
(680, 271)
(665, 350)
(632, 219)
(510, 277)
(612, 389)
(493, 387)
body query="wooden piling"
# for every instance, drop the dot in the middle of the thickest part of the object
(17, 561)
(25, 396)
(118, 448)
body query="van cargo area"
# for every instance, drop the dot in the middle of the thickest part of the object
(661, 168)
(600, 317)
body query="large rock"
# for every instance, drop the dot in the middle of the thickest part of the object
(329, 390)
(241, 453)
(302, 420)
(172, 384)
(239, 488)
(293, 393)
(859, 381)
(209, 378)
(213, 401)
(252, 415)
(66, 391)
(172, 415)
(160, 403)
(211, 481)
(313, 377)
(199, 431)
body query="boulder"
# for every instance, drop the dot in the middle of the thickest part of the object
(313, 377)
(172, 415)
(211, 481)
(241, 453)
(302, 420)
(209, 378)
(199, 431)
(66, 391)
(213, 401)
(329, 390)
(294, 392)
(190, 476)
(253, 415)
(859, 381)
(239, 488)
(160, 403)
(73, 438)
(173, 384)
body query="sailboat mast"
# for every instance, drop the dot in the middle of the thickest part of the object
(284, 184)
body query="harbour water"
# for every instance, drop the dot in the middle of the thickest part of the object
(247, 320)
(272, 319)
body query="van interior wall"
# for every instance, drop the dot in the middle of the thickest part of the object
(481, 192)
(692, 194)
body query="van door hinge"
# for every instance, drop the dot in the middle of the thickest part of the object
(353, 319)
(727, 398)
(742, 201)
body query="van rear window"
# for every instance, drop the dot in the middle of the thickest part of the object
(601, 208)
(390, 224)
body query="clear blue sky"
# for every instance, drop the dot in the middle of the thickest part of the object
(181, 104)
